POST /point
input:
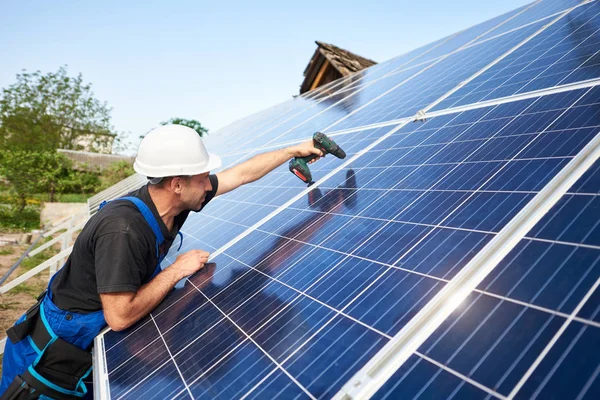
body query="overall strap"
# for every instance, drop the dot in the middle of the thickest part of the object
(148, 216)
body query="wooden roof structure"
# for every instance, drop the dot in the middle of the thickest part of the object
(329, 63)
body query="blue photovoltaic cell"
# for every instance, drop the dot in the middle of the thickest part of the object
(566, 52)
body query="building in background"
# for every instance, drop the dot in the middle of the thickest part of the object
(84, 160)
(330, 63)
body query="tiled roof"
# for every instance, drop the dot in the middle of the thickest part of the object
(344, 61)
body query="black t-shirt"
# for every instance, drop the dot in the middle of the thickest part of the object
(115, 252)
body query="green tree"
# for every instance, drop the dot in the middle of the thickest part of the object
(115, 173)
(28, 172)
(46, 112)
(190, 123)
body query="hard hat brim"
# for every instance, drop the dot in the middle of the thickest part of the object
(214, 162)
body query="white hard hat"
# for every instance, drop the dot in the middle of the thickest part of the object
(173, 150)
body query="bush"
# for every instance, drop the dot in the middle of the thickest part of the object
(115, 173)
(11, 219)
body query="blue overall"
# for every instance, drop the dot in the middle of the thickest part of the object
(77, 329)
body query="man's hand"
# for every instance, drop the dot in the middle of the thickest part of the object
(305, 149)
(190, 262)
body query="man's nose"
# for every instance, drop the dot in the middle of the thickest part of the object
(208, 185)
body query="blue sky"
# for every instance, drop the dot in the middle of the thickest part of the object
(211, 61)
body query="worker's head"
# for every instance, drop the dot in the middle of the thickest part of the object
(174, 156)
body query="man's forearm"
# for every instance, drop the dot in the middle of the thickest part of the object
(260, 165)
(143, 301)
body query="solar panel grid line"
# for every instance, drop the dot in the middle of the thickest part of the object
(516, 97)
(392, 89)
(364, 385)
(582, 245)
(276, 139)
(589, 383)
(249, 338)
(536, 307)
(365, 218)
(459, 375)
(497, 60)
(532, 22)
(549, 346)
(259, 383)
(473, 42)
(474, 106)
(171, 357)
(409, 190)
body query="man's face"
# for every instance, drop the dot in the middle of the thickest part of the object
(194, 191)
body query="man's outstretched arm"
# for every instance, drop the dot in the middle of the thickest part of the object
(260, 165)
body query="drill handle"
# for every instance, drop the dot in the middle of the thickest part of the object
(308, 159)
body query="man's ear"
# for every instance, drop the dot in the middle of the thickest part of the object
(176, 184)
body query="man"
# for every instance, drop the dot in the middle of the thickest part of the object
(113, 275)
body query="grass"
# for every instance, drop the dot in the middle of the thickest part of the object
(31, 289)
(73, 198)
(34, 287)
(32, 262)
(7, 252)
(26, 221)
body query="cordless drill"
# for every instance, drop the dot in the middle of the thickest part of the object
(299, 165)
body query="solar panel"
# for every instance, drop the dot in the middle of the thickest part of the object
(457, 256)
(564, 53)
